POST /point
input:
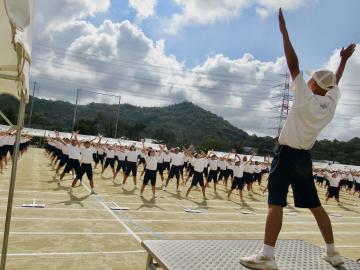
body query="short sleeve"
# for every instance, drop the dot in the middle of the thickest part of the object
(302, 92)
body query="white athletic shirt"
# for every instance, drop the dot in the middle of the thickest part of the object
(206, 163)
(167, 157)
(110, 153)
(160, 157)
(87, 154)
(222, 165)
(132, 156)
(257, 169)
(238, 170)
(100, 150)
(198, 164)
(213, 164)
(151, 163)
(334, 181)
(120, 155)
(1, 141)
(177, 159)
(357, 179)
(74, 152)
(248, 168)
(308, 116)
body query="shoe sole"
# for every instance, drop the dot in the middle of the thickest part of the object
(335, 265)
(252, 266)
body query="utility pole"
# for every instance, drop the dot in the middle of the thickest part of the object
(75, 110)
(32, 104)
(117, 118)
(285, 103)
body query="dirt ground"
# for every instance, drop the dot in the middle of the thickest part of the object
(79, 231)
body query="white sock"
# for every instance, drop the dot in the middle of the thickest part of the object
(330, 248)
(267, 251)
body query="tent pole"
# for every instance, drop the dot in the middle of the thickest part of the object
(19, 126)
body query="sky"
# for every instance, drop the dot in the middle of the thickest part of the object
(225, 56)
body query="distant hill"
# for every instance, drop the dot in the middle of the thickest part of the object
(178, 124)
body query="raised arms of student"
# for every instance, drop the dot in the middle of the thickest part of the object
(345, 54)
(290, 54)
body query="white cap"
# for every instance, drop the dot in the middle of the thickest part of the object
(326, 79)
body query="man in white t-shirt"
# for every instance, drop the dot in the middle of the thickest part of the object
(86, 151)
(198, 178)
(334, 187)
(177, 161)
(313, 108)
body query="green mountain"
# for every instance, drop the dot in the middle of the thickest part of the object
(179, 124)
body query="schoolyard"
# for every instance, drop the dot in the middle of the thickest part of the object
(80, 231)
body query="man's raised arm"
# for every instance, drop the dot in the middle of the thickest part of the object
(290, 54)
(345, 54)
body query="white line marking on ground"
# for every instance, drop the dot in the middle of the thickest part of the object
(45, 254)
(133, 234)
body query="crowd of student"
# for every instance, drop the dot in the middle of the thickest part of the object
(335, 181)
(237, 173)
(7, 141)
(72, 155)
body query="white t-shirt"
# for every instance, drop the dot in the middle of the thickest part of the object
(120, 155)
(160, 157)
(87, 154)
(357, 179)
(177, 159)
(238, 170)
(248, 168)
(309, 115)
(198, 164)
(132, 156)
(151, 163)
(167, 157)
(74, 152)
(110, 153)
(334, 181)
(213, 164)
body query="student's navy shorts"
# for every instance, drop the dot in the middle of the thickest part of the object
(131, 167)
(213, 176)
(150, 176)
(292, 167)
(198, 178)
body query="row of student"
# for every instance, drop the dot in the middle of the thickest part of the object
(7, 141)
(74, 156)
(336, 180)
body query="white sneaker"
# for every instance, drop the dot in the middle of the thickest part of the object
(335, 259)
(259, 262)
(164, 188)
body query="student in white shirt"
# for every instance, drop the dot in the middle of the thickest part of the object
(177, 161)
(223, 172)
(334, 188)
(73, 162)
(313, 109)
(121, 163)
(167, 159)
(151, 169)
(356, 177)
(86, 152)
(213, 173)
(110, 159)
(238, 182)
(131, 164)
(198, 177)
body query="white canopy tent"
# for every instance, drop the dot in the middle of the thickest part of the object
(15, 60)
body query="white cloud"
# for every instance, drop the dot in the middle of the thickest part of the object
(210, 11)
(119, 58)
(144, 8)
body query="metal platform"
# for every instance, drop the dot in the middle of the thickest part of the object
(225, 255)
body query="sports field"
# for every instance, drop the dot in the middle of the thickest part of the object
(79, 231)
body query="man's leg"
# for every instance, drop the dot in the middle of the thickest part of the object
(273, 225)
(324, 224)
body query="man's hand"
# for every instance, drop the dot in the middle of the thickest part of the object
(345, 54)
(282, 23)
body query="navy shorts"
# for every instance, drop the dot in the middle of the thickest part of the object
(174, 171)
(333, 192)
(198, 178)
(150, 176)
(160, 168)
(238, 183)
(213, 176)
(85, 168)
(109, 161)
(292, 167)
(131, 167)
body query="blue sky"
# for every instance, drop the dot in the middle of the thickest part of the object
(200, 38)
(316, 30)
